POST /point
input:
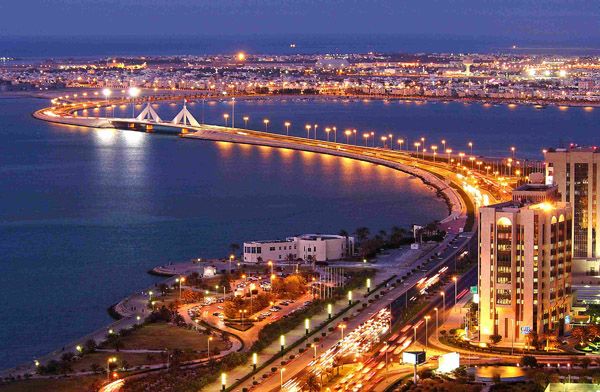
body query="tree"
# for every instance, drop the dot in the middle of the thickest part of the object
(495, 339)
(579, 333)
(89, 346)
(95, 368)
(343, 233)
(362, 233)
(528, 361)
(313, 384)
(585, 362)
(234, 248)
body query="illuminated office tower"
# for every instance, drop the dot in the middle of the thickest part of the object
(525, 264)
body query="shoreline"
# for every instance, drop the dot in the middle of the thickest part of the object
(123, 320)
(483, 101)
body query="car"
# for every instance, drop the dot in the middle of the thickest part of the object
(216, 314)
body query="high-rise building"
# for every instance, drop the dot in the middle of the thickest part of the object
(575, 171)
(525, 264)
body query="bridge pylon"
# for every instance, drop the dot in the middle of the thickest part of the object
(148, 114)
(184, 117)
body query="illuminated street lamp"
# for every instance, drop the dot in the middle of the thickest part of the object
(348, 132)
(223, 381)
(208, 345)
(455, 280)
(226, 117)
(327, 130)
(308, 126)
(470, 144)
(383, 141)
(334, 134)
(391, 141)
(107, 93)
(350, 297)
(254, 361)
(444, 143)
(436, 323)
(109, 361)
(434, 148)
(180, 280)
(342, 327)
(448, 151)
(133, 93)
(417, 145)
(443, 301)
(287, 127)
(245, 118)
(366, 137)
(270, 264)
(329, 310)
(231, 257)
(281, 378)
(426, 336)
(461, 155)
(282, 342)
(314, 347)
(266, 122)
(400, 142)
(368, 285)
(307, 325)
(316, 126)
(513, 150)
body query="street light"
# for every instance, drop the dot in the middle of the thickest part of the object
(180, 280)
(348, 132)
(223, 381)
(254, 361)
(208, 345)
(448, 151)
(329, 311)
(246, 118)
(314, 347)
(287, 127)
(455, 279)
(231, 257)
(342, 327)
(266, 122)
(282, 342)
(226, 117)
(281, 378)
(350, 297)
(471, 147)
(426, 336)
(108, 362)
(270, 264)
(327, 130)
(400, 142)
(436, 323)
(368, 285)
(107, 93)
(366, 137)
(133, 92)
(443, 301)
(307, 325)
(307, 126)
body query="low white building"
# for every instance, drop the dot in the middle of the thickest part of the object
(306, 247)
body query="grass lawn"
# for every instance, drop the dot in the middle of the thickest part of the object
(133, 360)
(73, 384)
(160, 336)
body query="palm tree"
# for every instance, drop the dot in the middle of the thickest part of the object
(313, 384)
(362, 233)
(234, 248)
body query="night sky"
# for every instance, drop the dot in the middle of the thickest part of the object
(566, 20)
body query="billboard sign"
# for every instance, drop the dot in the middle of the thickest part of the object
(448, 362)
(413, 357)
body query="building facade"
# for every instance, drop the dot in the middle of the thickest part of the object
(307, 247)
(525, 265)
(575, 171)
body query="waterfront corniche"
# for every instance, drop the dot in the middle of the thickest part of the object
(97, 208)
